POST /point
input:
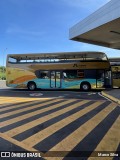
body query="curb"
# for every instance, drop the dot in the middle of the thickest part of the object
(110, 97)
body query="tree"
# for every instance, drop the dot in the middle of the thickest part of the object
(2, 72)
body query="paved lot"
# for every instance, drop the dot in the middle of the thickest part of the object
(113, 94)
(60, 124)
(3, 84)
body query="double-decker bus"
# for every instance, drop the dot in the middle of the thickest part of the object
(115, 68)
(67, 70)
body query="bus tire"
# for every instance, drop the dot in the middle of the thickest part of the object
(85, 86)
(31, 86)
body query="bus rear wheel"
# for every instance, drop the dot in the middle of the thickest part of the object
(31, 86)
(85, 86)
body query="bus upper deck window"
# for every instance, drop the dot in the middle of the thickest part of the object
(12, 60)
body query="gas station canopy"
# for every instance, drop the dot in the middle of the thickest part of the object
(100, 28)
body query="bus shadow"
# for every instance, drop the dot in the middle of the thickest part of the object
(53, 90)
(44, 93)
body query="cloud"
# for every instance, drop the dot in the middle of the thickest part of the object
(25, 32)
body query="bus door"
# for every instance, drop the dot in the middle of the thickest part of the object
(103, 79)
(55, 79)
(108, 80)
(116, 76)
(100, 78)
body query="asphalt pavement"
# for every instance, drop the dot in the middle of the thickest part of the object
(68, 94)
(113, 94)
(58, 124)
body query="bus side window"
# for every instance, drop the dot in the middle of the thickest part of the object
(70, 74)
(116, 75)
(64, 75)
(12, 60)
(37, 73)
(42, 74)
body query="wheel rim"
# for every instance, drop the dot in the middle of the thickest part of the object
(32, 87)
(85, 87)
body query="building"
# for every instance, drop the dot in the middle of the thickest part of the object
(100, 28)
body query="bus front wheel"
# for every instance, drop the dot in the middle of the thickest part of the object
(31, 86)
(85, 86)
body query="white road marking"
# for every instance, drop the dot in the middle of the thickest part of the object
(104, 97)
(36, 94)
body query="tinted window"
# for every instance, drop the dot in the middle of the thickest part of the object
(90, 73)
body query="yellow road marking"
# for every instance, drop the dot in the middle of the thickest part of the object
(3, 97)
(28, 115)
(13, 100)
(29, 125)
(14, 120)
(110, 141)
(74, 138)
(36, 138)
(16, 142)
(20, 105)
(21, 145)
(26, 109)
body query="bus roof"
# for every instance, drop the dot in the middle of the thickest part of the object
(58, 55)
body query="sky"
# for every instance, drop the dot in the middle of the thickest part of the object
(42, 26)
